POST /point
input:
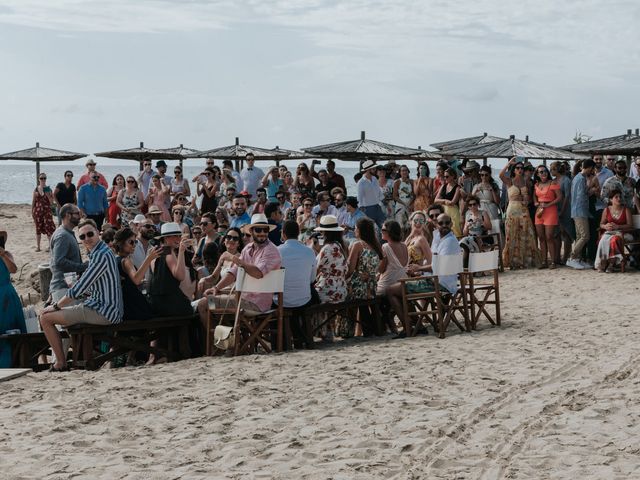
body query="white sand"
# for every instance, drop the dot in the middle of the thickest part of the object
(554, 393)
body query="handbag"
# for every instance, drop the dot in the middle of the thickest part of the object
(539, 212)
(224, 337)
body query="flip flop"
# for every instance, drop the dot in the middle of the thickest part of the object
(52, 368)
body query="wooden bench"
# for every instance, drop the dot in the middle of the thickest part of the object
(135, 335)
(27, 347)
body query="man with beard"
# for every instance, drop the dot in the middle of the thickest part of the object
(65, 254)
(621, 182)
(257, 259)
(240, 208)
(146, 232)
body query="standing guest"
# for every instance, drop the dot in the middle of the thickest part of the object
(272, 183)
(324, 183)
(423, 188)
(158, 195)
(566, 233)
(393, 266)
(363, 263)
(417, 242)
(154, 214)
(594, 189)
(144, 177)
(228, 165)
(257, 259)
(258, 207)
(449, 197)
(611, 160)
(251, 175)
(134, 224)
(340, 206)
(208, 224)
(92, 201)
(222, 218)
(304, 181)
(439, 179)
(370, 194)
(227, 184)
(546, 197)
(161, 167)
(283, 203)
(351, 218)
(241, 218)
(288, 184)
(274, 216)
(177, 213)
(470, 179)
(386, 185)
(41, 204)
(65, 254)
(603, 174)
(209, 191)
(134, 302)
(306, 220)
(65, 192)
(332, 176)
(146, 233)
(476, 224)
(113, 212)
(300, 265)
(179, 184)
(88, 175)
(620, 181)
(580, 213)
(520, 249)
(201, 178)
(403, 196)
(11, 314)
(130, 201)
(616, 221)
(101, 281)
(488, 193)
(634, 169)
(167, 272)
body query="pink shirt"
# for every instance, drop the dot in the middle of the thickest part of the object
(266, 258)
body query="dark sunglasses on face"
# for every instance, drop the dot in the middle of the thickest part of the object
(131, 181)
(542, 172)
(433, 216)
(147, 226)
(260, 229)
(447, 176)
(43, 178)
(205, 223)
(444, 224)
(69, 175)
(147, 164)
(96, 178)
(418, 221)
(232, 238)
(308, 205)
(82, 236)
(177, 172)
(472, 204)
(518, 168)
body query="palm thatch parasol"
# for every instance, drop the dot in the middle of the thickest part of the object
(238, 152)
(141, 153)
(40, 154)
(606, 145)
(464, 143)
(181, 150)
(512, 147)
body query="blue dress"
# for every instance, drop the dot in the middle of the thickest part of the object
(11, 314)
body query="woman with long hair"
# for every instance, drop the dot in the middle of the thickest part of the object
(178, 212)
(386, 185)
(520, 249)
(439, 179)
(403, 196)
(113, 213)
(488, 193)
(288, 183)
(423, 188)
(476, 224)
(130, 201)
(179, 184)
(304, 182)
(616, 222)
(209, 190)
(449, 197)
(306, 221)
(158, 196)
(546, 197)
(416, 242)
(231, 242)
(41, 203)
(393, 266)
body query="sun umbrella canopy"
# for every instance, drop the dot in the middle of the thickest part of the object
(603, 145)
(181, 150)
(40, 154)
(513, 147)
(141, 153)
(464, 143)
(362, 149)
(285, 154)
(624, 147)
(238, 151)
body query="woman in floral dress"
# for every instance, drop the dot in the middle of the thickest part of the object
(41, 203)
(386, 186)
(130, 201)
(403, 196)
(423, 188)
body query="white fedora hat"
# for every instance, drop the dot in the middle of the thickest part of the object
(139, 218)
(258, 220)
(170, 229)
(368, 165)
(329, 223)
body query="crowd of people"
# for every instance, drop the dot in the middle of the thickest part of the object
(160, 245)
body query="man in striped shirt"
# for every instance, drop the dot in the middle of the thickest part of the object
(101, 281)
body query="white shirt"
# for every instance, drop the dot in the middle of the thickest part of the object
(448, 245)
(251, 179)
(369, 192)
(238, 180)
(634, 171)
(144, 180)
(330, 211)
(299, 262)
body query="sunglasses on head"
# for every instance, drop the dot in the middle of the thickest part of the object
(260, 229)
(82, 236)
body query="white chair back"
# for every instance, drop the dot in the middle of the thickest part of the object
(636, 221)
(272, 282)
(495, 227)
(444, 265)
(485, 261)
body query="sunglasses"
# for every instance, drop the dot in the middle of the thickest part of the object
(147, 226)
(82, 236)
(232, 238)
(518, 168)
(209, 163)
(444, 224)
(542, 172)
(447, 176)
(178, 211)
(147, 164)
(131, 181)
(472, 204)
(418, 221)
(260, 229)
(96, 178)
(69, 175)
(308, 205)
(43, 178)
(205, 223)
(177, 172)
(433, 216)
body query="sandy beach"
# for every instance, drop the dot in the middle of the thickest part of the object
(554, 393)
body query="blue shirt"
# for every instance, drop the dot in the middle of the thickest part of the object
(603, 176)
(579, 197)
(275, 236)
(350, 220)
(241, 221)
(102, 281)
(448, 245)
(299, 263)
(272, 188)
(93, 200)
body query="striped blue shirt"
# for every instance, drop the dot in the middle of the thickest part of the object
(102, 281)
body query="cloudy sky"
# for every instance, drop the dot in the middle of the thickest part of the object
(91, 75)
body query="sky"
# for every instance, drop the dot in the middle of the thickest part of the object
(94, 75)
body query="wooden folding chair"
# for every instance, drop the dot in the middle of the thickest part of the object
(494, 234)
(483, 292)
(421, 307)
(452, 303)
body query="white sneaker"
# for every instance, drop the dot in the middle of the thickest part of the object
(576, 264)
(587, 265)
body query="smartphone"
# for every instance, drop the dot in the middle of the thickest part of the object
(166, 250)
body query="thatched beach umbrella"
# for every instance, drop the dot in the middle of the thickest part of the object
(182, 151)
(512, 147)
(238, 152)
(464, 143)
(604, 145)
(40, 154)
(140, 154)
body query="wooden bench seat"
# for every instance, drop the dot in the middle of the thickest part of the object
(134, 335)
(27, 347)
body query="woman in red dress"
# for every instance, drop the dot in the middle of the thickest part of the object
(113, 214)
(41, 203)
(616, 221)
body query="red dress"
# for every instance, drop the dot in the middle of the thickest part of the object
(114, 210)
(42, 213)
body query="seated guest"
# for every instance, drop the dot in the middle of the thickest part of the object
(167, 271)
(283, 203)
(416, 242)
(177, 214)
(101, 281)
(146, 233)
(107, 235)
(476, 224)
(136, 306)
(274, 216)
(323, 206)
(365, 254)
(65, 254)
(394, 264)
(616, 221)
(210, 235)
(241, 217)
(11, 315)
(306, 220)
(351, 217)
(433, 235)
(155, 215)
(448, 245)
(261, 202)
(210, 258)
(299, 262)
(257, 259)
(331, 281)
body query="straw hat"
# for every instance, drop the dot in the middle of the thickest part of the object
(170, 229)
(153, 209)
(368, 165)
(471, 165)
(258, 220)
(329, 223)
